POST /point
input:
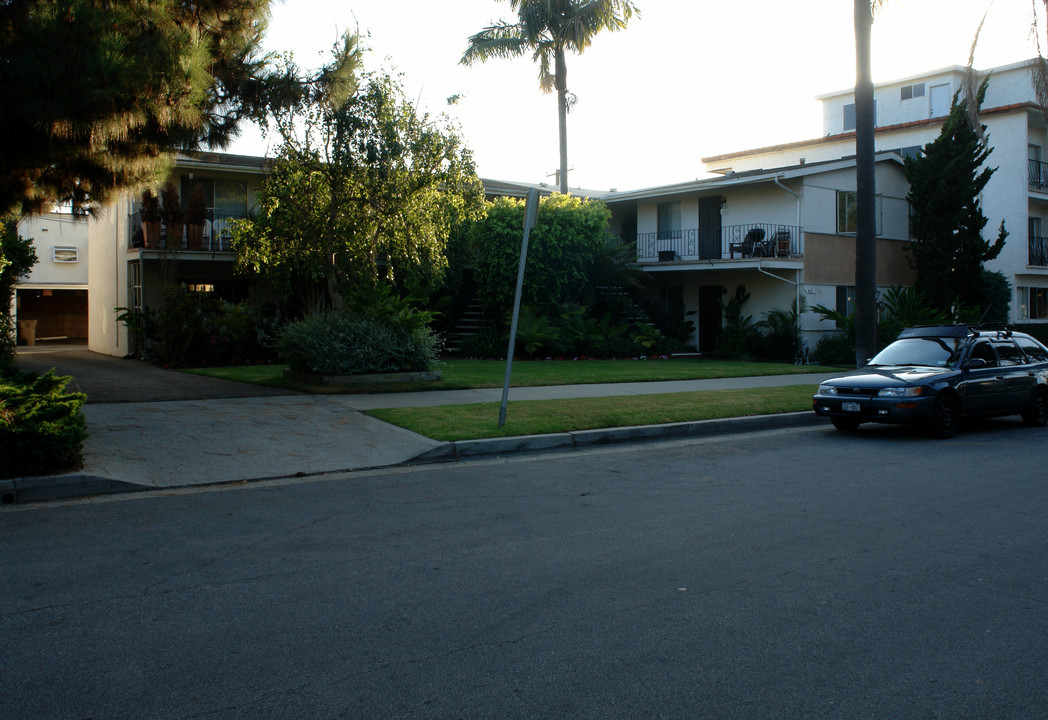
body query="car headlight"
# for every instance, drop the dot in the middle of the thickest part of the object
(827, 390)
(900, 391)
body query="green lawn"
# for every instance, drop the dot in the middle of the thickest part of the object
(532, 417)
(465, 374)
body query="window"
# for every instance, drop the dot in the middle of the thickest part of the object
(1008, 353)
(1034, 352)
(983, 351)
(64, 254)
(200, 287)
(1033, 303)
(849, 116)
(912, 91)
(845, 299)
(669, 220)
(847, 211)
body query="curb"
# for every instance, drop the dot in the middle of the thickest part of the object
(43, 488)
(582, 439)
(78, 485)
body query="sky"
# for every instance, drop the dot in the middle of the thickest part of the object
(687, 79)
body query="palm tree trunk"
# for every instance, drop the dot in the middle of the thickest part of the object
(865, 186)
(561, 80)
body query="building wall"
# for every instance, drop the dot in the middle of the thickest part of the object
(107, 276)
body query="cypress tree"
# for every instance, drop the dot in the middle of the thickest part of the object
(948, 249)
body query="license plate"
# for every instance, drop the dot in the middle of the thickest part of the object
(851, 407)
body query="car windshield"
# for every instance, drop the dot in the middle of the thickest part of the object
(924, 351)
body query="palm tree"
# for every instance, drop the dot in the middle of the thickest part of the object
(865, 190)
(548, 29)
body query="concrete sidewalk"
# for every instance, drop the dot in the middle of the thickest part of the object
(232, 437)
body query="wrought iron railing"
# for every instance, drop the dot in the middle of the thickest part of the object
(1039, 251)
(1038, 174)
(751, 240)
(214, 236)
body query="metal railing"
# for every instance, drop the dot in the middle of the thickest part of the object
(214, 237)
(751, 240)
(1039, 251)
(1038, 174)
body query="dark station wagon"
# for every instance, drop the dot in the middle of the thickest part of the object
(934, 376)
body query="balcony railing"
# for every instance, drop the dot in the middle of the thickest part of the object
(215, 237)
(1039, 251)
(752, 240)
(1038, 174)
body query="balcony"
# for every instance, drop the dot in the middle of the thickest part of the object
(1039, 251)
(729, 242)
(215, 238)
(1038, 175)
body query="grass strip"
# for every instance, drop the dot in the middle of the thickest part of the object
(448, 423)
(466, 374)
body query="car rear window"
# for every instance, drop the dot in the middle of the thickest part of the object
(1008, 353)
(1033, 349)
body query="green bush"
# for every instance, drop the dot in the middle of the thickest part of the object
(835, 348)
(332, 343)
(42, 430)
(192, 328)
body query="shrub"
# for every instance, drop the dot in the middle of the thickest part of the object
(332, 343)
(192, 328)
(835, 348)
(41, 427)
(738, 340)
(781, 339)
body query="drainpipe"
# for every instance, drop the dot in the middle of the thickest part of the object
(796, 284)
(796, 195)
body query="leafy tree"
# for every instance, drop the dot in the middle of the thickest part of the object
(364, 186)
(97, 93)
(948, 251)
(548, 30)
(17, 258)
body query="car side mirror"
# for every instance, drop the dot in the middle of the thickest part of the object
(975, 364)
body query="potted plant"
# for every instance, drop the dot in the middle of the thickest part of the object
(150, 219)
(171, 215)
(196, 217)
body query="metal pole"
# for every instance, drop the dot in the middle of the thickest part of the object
(531, 211)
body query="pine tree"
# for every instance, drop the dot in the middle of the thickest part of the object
(96, 94)
(948, 249)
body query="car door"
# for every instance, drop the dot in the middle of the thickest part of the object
(983, 387)
(1018, 377)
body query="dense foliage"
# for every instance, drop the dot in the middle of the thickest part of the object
(947, 222)
(41, 427)
(364, 187)
(334, 343)
(580, 285)
(900, 308)
(569, 234)
(17, 257)
(192, 328)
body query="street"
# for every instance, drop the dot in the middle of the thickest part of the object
(781, 574)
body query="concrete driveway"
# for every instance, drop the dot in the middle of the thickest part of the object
(161, 428)
(108, 379)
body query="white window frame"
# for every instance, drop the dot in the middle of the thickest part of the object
(65, 254)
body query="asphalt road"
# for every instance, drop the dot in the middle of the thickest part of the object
(788, 574)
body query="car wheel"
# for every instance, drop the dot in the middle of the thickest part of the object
(845, 424)
(946, 417)
(1037, 414)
